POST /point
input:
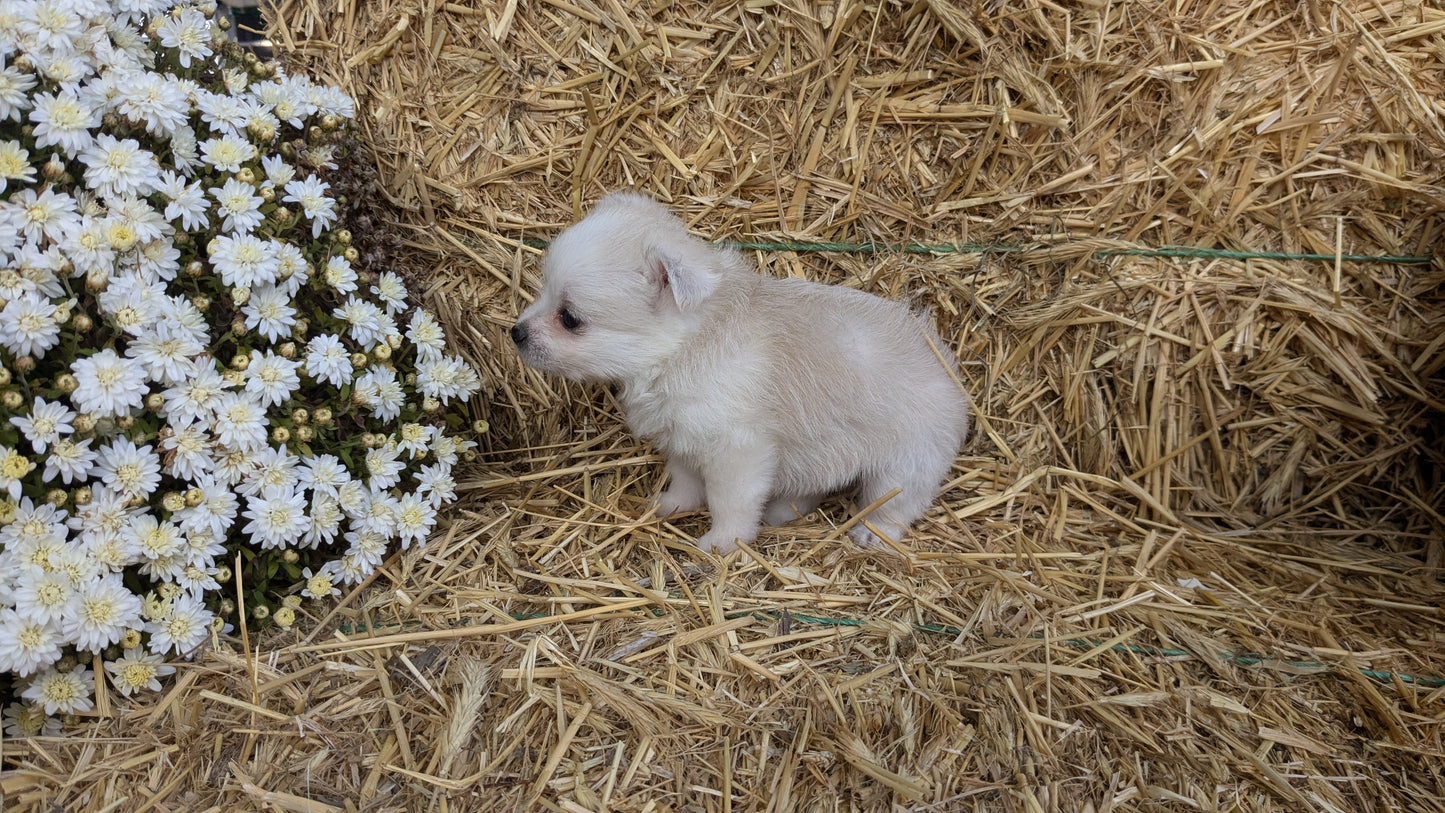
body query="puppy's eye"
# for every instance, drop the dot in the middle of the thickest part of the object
(569, 320)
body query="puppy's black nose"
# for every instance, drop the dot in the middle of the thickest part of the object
(519, 334)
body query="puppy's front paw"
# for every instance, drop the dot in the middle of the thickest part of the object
(864, 538)
(677, 501)
(719, 543)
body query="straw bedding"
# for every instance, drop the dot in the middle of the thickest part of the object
(1204, 493)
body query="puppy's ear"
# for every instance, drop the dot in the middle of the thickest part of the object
(682, 272)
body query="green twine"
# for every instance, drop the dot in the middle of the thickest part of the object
(1189, 252)
(1077, 643)
(1153, 651)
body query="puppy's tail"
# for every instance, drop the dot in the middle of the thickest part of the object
(950, 365)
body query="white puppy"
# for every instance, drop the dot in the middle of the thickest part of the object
(765, 394)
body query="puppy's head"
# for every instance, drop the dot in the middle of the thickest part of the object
(621, 291)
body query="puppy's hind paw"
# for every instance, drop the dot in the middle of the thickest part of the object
(865, 538)
(676, 501)
(720, 544)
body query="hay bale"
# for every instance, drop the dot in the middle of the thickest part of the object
(1203, 496)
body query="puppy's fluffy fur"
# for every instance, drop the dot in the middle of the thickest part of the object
(765, 394)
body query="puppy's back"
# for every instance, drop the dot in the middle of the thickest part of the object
(854, 375)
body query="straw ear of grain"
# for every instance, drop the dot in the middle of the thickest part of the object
(1176, 461)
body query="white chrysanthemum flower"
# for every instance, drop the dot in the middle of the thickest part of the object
(446, 448)
(115, 167)
(322, 474)
(47, 212)
(233, 465)
(326, 516)
(45, 424)
(27, 644)
(135, 670)
(28, 326)
(385, 395)
(287, 98)
(223, 112)
(291, 268)
(260, 123)
(244, 260)
(319, 156)
(166, 568)
(61, 692)
(383, 469)
(436, 482)
(270, 313)
(112, 552)
(195, 398)
(137, 214)
(15, 88)
(12, 282)
(367, 547)
(216, 511)
(198, 580)
(240, 422)
(187, 202)
(43, 595)
(339, 274)
(275, 468)
(332, 100)
(34, 526)
(311, 194)
(100, 613)
(185, 151)
(351, 568)
(30, 720)
(154, 538)
(119, 232)
(189, 32)
(63, 120)
(239, 206)
(227, 153)
(182, 628)
(185, 316)
(392, 292)
(415, 518)
(129, 470)
(188, 451)
(133, 302)
(79, 568)
(158, 260)
(64, 70)
(87, 247)
(157, 101)
(167, 353)
(13, 467)
(278, 518)
(414, 438)
(364, 321)
(278, 172)
(50, 27)
(204, 547)
(107, 514)
(437, 378)
(352, 496)
(15, 163)
(40, 270)
(109, 384)
(272, 378)
(426, 333)
(236, 80)
(327, 360)
(319, 584)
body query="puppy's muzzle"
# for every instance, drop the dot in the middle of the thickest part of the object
(519, 334)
